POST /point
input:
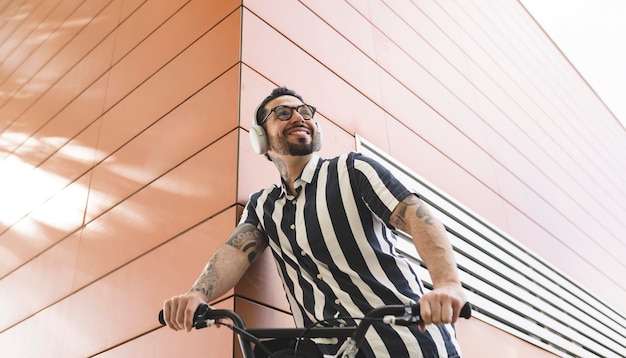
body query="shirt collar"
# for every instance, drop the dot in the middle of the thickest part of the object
(305, 177)
(309, 169)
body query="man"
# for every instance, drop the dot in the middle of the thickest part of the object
(329, 226)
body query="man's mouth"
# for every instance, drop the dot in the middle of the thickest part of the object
(299, 131)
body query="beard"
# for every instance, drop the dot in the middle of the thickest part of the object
(281, 145)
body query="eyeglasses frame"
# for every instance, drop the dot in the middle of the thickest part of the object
(296, 108)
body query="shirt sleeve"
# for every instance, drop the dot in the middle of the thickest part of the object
(250, 215)
(378, 187)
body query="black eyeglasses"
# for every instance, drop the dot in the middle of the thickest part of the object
(284, 113)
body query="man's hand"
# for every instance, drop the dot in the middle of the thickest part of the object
(178, 311)
(225, 268)
(442, 305)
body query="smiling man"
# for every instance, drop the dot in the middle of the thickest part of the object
(329, 225)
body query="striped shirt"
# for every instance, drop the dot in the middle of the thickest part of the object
(335, 252)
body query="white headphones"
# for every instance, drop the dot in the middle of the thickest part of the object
(258, 137)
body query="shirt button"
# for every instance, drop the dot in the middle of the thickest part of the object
(292, 226)
(319, 276)
(337, 301)
(302, 253)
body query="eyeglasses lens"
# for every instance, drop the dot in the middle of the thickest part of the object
(284, 112)
(305, 112)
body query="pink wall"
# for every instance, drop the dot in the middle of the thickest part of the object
(124, 158)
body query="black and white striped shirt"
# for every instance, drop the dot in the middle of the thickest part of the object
(336, 254)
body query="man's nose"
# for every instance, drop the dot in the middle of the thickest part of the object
(296, 116)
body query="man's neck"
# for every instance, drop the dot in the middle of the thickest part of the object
(290, 167)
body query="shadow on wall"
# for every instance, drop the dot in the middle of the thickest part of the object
(131, 211)
(38, 204)
(52, 183)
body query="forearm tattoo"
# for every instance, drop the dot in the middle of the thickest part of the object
(205, 283)
(247, 239)
(421, 212)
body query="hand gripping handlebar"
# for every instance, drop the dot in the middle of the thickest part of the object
(405, 315)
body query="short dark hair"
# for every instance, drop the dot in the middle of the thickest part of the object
(261, 112)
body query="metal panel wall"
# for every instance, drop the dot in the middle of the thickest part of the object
(115, 116)
(474, 97)
(124, 157)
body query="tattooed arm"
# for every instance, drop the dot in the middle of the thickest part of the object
(230, 262)
(221, 273)
(444, 302)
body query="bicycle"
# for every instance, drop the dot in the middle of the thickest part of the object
(406, 315)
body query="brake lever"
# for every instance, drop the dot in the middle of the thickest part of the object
(199, 321)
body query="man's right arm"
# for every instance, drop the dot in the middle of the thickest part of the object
(221, 273)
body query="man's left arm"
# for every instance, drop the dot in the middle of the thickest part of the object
(443, 304)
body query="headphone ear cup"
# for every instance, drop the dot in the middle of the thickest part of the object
(258, 139)
(318, 140)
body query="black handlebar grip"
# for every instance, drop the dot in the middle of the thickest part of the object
(161, 318)
(466, 310)
(197, 316)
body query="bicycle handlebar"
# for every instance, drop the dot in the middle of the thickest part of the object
(412, 309)
(408, 314)
(204, 313)
(404, 315)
